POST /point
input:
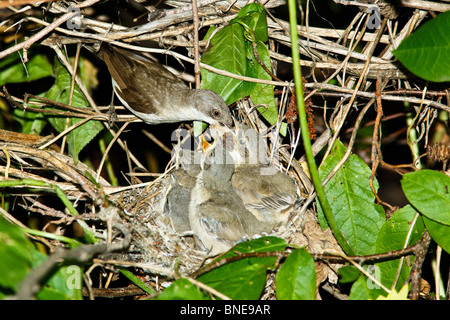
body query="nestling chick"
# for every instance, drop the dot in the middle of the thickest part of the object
(267, 193)
(217, 215)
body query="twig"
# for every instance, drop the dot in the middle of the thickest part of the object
(72, 89)
(114, 292)
(196, 46)
(61, 164)
(416, 269)
(152, 137)
(36, 37)
(330, 257)
(376, 156)
(105, 154)
(207, 288)
(338, 125)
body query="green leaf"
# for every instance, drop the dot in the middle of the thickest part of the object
(64, 284)
(31, 122)
(244, 279)
(439, 232)
(228, 53)
(262, 244)
(19, 257)
(240, 280)
(137, 281)
(263, 93)
(392, 236)
(359, 290)
(429, 192)
(426, 52)
(253, 18)
(402, 294)
(14, 71)
(296, 279)
(182, 289)
(357, 217)
(232, 50)
(364, 289)
(79, 137)
(348, 274)
(16, 256)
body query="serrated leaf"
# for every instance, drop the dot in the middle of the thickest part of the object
(79, 137)
(351, 199)
(296, 279)
(426, 52)
(392, 236)
(429, 192)
(182, 289)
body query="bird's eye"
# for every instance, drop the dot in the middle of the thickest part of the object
(216, 113)
(241, 141)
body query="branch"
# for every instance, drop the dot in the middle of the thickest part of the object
(34, 38)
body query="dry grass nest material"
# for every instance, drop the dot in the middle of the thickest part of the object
(163, 249)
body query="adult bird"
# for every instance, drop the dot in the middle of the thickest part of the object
(155, 95)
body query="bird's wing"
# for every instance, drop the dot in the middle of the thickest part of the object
(221, 222)
(138, 62)
(137, 75)
(259, 191)
(256, 202)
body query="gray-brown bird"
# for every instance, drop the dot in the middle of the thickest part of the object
(217, 215)
(155, 95)
(230, 200)
(182, 181)
(270, 195)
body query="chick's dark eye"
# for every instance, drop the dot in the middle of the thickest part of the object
(216, 113)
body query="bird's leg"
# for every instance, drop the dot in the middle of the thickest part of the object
(112, 115)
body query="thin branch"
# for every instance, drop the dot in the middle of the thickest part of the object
(196, 45)
(36, 37)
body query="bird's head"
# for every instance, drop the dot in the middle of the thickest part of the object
(213, 107)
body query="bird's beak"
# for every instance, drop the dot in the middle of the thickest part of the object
(228, 125)
(207, 149)
(206, 146)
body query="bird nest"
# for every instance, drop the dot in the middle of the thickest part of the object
(163, 250)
